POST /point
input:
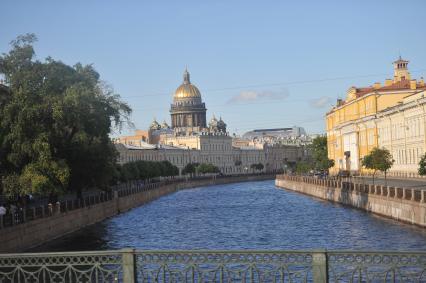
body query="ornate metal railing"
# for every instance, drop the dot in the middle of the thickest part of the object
(224, 266)
(376, 266)
(214, 266)
(62, 267)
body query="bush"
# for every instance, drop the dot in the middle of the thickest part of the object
(204, 168)
(142, 170)
(257, 166)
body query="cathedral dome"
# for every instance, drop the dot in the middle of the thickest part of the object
(154, 125)
(164, 125)
(186, 89)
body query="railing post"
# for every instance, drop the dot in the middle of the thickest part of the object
(319, 266)
(129, 265)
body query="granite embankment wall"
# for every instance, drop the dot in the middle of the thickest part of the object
(403, 204)
(65, 218)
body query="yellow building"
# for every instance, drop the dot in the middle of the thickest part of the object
(351, 125)
(140, 137)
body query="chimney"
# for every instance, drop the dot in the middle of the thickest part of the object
(413, 84)
(388, 82)
(377, 85)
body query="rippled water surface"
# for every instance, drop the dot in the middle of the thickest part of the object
(254, 215)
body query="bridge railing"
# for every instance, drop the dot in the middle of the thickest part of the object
(130, 265)
(411, 194)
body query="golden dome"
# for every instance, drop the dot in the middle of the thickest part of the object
(187, 90)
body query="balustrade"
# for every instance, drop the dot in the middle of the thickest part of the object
(412, 194)
(214, 266)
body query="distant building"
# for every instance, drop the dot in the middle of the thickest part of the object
(190, 139)
(373, 116)
(284, 136)
(140, 137)
(277, 133)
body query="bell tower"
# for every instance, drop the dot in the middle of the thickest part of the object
(400, 70)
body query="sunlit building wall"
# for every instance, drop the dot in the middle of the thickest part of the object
(351, 125)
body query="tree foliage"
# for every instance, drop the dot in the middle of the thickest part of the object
(321, 162)
(257, 166)
(55, 125)
(422, 165)
(379, 159)
(204, 168)
(143, 170)
(190, 169)
(303, 167)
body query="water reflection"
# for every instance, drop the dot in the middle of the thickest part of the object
(252, 215)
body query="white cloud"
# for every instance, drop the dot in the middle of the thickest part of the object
(321, 102)
(251, 95)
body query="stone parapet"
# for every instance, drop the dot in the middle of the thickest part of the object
(403, 204)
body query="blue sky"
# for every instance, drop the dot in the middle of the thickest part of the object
(258, 64)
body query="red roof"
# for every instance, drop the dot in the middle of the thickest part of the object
(400, 85)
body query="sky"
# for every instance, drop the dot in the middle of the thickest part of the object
(258, 64)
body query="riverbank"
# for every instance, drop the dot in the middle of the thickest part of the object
(67, 218)
(403, 204)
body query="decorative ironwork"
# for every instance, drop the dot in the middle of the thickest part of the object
(214, 266)
(376, 267)
(61, 267)
(224, 266)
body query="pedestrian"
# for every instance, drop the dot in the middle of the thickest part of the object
(2, 210)
(12, 208)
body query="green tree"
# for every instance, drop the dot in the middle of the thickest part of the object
(55, 123)
(379, 159)
(321, 162)
(422, 165)
(190, 169)
(303, 167)
(142, 170)
(204, 168)
(257, 166)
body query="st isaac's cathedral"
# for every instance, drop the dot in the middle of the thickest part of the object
(190, 139)
(188, 114)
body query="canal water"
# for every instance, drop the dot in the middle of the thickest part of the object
(250, 215)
